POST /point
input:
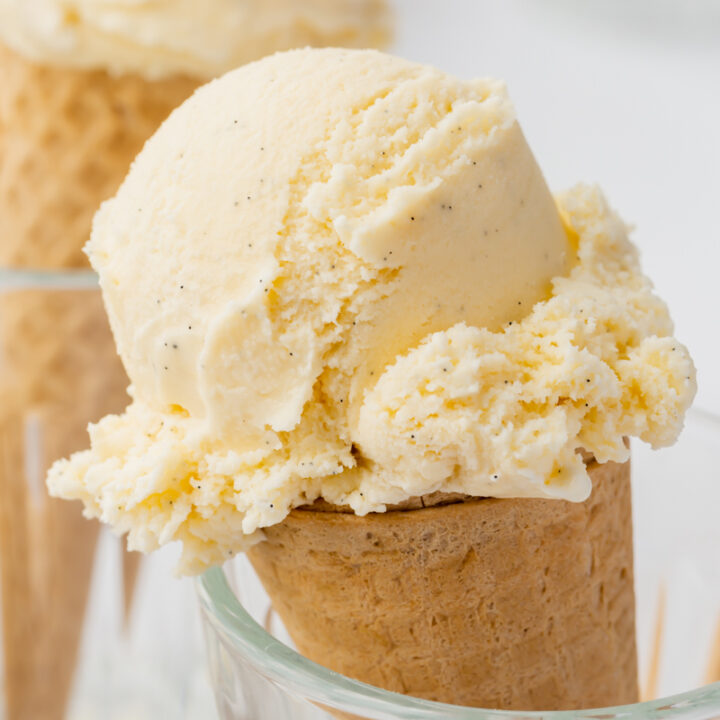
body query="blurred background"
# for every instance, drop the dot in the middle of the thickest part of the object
(624, 93)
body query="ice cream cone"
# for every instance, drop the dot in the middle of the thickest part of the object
(376, 298)
(67, 139)
(498, 603)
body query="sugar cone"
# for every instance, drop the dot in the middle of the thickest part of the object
(67, 139)
(514, 603)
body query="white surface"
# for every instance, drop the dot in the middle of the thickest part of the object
(616, 92)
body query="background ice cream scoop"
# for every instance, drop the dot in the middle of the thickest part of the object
(166, 37)
(365, 293)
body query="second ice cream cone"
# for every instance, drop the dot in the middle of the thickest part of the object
(513, 604)
(67, 138)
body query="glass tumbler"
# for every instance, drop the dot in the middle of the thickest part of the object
(87, 629)
(257, 675)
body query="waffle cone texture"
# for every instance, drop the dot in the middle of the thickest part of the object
(517, 604)
(67, 138)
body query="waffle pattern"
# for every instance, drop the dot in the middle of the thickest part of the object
(67, 138)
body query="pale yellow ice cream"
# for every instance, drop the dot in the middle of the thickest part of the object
(365, 294)
(202, 38)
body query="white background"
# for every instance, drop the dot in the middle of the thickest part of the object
(625, 93)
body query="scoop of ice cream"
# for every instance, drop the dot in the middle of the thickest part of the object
(165, 37)
(366, 294)
(286, 235)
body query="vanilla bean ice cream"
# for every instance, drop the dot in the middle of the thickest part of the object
(339, 274)
(157, 38)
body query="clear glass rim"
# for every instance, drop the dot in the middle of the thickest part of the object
(284, 666)
(15, 279)
(276, 661)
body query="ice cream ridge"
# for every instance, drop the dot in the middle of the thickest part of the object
(354, 318)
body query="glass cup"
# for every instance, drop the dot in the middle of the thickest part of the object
(257, 675)
(87, 629)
